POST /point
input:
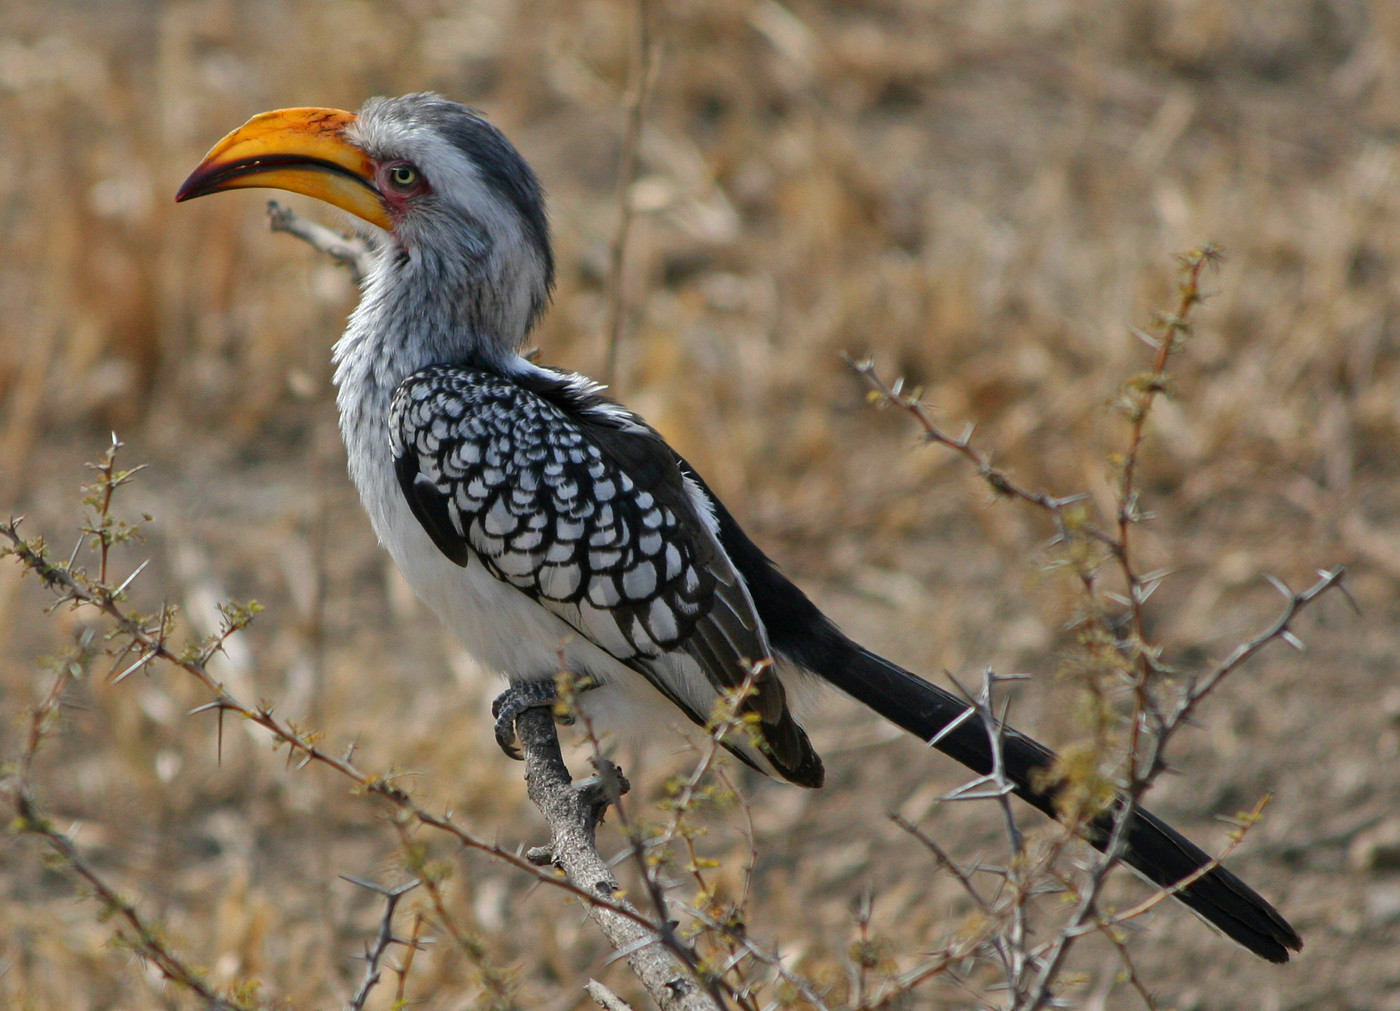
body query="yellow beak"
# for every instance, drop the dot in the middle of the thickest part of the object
(301, 150)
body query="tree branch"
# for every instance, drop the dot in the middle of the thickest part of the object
(349, 251)
(658, 958)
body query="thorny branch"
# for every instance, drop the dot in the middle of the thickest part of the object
(893, 394)
(151, 637)
(133, 931)
(724, 924)
(1005, 929)
(148, 638)
(1139, 394)
(374, 953)
(1086, 916)
(495, 980)
(1152, 722)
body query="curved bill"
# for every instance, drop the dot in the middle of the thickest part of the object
(301, 150)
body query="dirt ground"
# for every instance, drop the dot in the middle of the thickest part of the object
(986, 196)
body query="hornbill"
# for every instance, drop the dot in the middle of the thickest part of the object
(541, 520)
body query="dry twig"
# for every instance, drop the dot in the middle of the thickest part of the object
(1155, 716)
(383, 939)
(350, 251)
(148, 637)
(134, 932)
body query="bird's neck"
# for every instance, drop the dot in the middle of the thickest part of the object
(416, 311)
(419, 309)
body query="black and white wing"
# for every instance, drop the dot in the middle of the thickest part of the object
(581, 506)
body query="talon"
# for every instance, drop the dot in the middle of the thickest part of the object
(508, 706)
(505, 737)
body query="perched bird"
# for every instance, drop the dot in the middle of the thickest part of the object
(539, 519)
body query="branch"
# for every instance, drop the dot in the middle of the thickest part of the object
(149, 637)
(1058, 507)
(1086, 916)
(133, 931)
(657, 956)
(723, 926)
(374, 954)
(349, 251)
(606, 999)
(1121, 646)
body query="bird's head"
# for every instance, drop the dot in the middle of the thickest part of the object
(462, 209)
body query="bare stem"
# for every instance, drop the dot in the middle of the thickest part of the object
(1155, 717)
(150, 636)
(644, 63)
(351, 252)
(384, 938)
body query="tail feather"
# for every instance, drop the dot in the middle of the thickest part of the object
(1153, 848)
(800, 633)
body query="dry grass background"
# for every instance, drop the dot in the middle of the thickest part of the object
(985, 195)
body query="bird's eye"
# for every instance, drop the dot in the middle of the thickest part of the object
(403, 176)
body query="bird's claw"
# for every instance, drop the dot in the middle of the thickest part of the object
(516, 699)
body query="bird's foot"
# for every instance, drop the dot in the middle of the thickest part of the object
(515, 700)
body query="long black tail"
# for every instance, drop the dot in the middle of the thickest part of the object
(798, 630)
(1153, 847)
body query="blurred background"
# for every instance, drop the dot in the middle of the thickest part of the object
(986, 195)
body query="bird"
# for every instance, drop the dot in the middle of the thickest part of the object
(546, 524)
